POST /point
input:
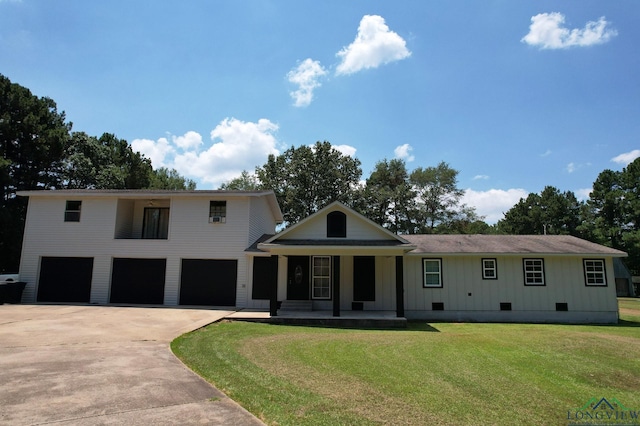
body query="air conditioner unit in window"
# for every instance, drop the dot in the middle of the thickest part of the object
(217, 219)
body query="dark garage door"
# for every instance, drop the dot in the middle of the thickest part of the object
(138, 281)
(65, 279)
(208, 282)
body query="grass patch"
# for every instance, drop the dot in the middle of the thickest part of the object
(458, 374)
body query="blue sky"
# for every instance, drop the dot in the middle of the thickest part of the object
(516, 95)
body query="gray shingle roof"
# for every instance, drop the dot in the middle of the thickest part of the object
(507, 244)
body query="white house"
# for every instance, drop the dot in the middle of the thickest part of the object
(218, 248)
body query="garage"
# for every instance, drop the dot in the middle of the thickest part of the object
(138, 281)
(65, 279)
(210, 282)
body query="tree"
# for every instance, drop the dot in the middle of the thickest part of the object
(244, 182)
(550, 212)
(306, 179)
(438, 197)
(388, 198)
(32, 137)
(164, 178)
(104, 163)
(612, 213)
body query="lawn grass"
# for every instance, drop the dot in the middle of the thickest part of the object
(438, 373)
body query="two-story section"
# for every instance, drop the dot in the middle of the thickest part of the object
(142, 246)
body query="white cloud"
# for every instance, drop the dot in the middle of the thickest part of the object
(546, 153)
(307, 76)
(571, 167)
(627, 157)
(189, 140)
(236, 146)
(403, 152)
(157, 151)
(480, 177)
(492, 204)
(583, 193)
(547, 32)
(373, 46)
(345, 149)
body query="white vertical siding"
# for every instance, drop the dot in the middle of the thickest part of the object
(464, 290)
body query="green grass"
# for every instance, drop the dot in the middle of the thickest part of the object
(438, 373)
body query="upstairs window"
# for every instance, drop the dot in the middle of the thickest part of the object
(533, 271)
(336, 225)
(72, 211)
(217, 211)
(156, 223)
(594, 272)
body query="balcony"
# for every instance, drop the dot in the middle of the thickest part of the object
(142, 219)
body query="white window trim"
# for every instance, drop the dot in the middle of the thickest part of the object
(494, 269)
(314, 276)
(424, 273)
(602, 274)
(535, 274)
(67, 218)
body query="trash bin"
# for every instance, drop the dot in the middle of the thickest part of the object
(13, 292)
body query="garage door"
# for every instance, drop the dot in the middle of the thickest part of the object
(138, 281)
(208, 282)
(65, 279)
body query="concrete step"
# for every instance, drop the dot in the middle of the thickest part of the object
(296, 305)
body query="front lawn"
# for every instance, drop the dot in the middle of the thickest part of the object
(438, 373)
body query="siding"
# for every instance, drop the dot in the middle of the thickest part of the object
(357, 229)
(190, 236)
(464, 290)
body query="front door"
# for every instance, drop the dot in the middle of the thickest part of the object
(298, 278)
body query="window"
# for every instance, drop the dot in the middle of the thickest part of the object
(336, 225)
(594, 272)
(321, 277)
(72, 211)
(217, 211)
(156, 223)
(432, 272)
(489, 269)
(533, 271)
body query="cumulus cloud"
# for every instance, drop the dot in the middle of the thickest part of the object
(156, 151)
(373, 46)
(626, 157)
(307, 77)
(345, 150)
(583, 194)
(235, 146)
(547, 31)
(189, 140)
(403, 152)
(492, 204)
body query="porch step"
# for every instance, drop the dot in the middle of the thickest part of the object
(296, 305)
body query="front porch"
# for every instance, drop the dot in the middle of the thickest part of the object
(324, 318)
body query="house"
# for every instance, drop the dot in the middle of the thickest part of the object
(219, 248)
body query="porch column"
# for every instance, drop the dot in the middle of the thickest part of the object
(399, 287)
(336, 286)
(273, 296)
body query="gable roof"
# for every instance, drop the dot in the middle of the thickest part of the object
(337, 206)
(508, 244)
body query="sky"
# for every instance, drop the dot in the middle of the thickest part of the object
(515, 95)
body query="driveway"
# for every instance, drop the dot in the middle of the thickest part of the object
(88, 365)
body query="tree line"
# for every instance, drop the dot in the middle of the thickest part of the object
(428, 199)
(39, 150)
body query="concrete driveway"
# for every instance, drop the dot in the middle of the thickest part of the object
(88, 365)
